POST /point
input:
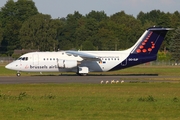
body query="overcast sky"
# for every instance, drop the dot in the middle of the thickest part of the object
(61, 8)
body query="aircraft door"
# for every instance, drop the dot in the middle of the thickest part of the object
(35, 59)
(20, 64)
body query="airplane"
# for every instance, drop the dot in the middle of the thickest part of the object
(83, 62)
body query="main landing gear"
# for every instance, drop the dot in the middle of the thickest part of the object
(82, 74)
(82, 71)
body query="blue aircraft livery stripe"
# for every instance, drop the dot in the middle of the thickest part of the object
(146, 50)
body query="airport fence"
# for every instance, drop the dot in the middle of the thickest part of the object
(162, 63)
(6, 59)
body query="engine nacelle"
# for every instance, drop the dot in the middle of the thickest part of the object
(67, 63)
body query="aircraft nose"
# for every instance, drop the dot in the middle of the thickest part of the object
(12, 66)
(8, 66)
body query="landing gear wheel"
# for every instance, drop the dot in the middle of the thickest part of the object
(18, 74)
(83, 74)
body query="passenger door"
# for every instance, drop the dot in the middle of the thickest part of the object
(35, 59)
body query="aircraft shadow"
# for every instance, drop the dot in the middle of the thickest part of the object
(97, 75)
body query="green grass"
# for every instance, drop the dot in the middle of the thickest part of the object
(6, 72)
(137, 101)
(160, 70)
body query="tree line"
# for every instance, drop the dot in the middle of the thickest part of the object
(23, 27)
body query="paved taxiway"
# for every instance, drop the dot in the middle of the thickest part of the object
(80, 79)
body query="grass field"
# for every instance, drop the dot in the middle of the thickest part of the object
(139, 101)
(127, 101)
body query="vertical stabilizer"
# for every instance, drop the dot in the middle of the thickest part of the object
(150, 41)
(145, 49)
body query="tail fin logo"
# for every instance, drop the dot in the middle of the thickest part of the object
(143, 48)
(150, 41)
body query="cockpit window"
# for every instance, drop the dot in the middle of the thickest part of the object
(20, 58)
(23, 58)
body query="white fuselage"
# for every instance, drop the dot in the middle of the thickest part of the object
(50, 61)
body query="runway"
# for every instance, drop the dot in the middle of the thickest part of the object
(85, 79)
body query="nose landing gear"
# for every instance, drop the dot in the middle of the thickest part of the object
(18, 74)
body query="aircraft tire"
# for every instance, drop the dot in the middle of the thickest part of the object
(18, 74)
(83, 74)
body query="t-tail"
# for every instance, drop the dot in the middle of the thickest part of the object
(145, 49)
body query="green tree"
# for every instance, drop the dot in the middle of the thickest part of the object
(11, 33)
(68, 31)
(92, 27)
(126, 28)
(164, 56)
(25, 9)
(9, 26)
(153, 16)
(13, 14)
(141, 16)
(107, 40)
(1, 33)
(87, 45)
(175, 19)
(98, 16)
(164, 20)
(81, 35)
(175, 45)
(40, 32)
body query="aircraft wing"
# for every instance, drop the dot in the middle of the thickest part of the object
(83, 55)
